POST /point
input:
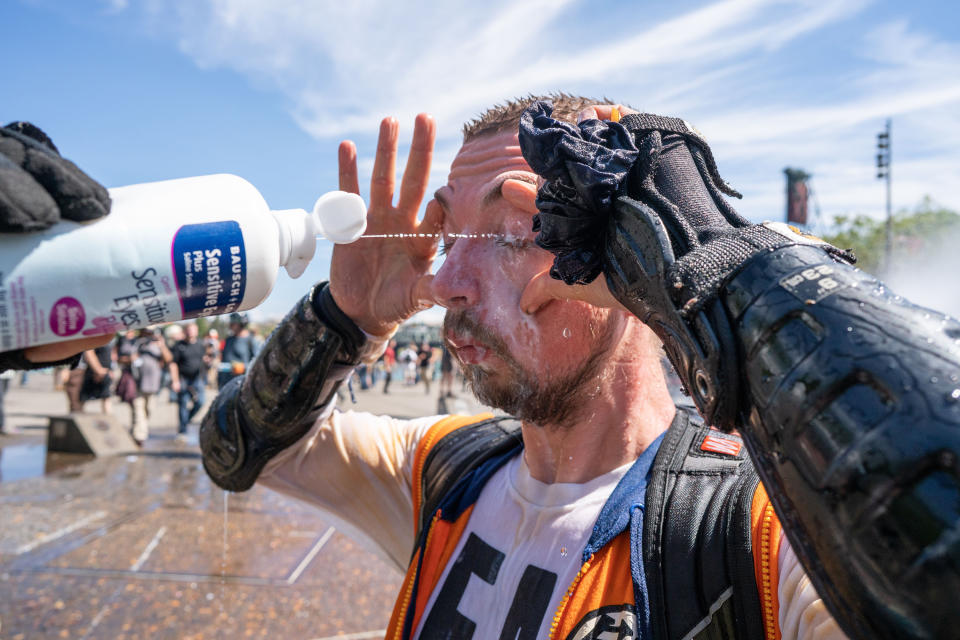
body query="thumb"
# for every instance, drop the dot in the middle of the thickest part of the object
(423, 293)
(542, 289)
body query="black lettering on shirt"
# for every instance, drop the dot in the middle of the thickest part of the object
(529, 604)
(527, 610)
(445, 621)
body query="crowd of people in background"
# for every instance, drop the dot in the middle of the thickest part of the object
(142, 367)
(412, 364)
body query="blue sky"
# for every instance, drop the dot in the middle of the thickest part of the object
(136, 91)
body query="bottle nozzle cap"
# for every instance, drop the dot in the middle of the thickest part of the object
(340, 216)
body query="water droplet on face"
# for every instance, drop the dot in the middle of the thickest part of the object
(953, 396)
(849, 329)
(934, 379)
(566, 332)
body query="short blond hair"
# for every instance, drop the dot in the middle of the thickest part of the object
(506, 116)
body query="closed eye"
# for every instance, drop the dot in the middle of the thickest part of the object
(513, 243)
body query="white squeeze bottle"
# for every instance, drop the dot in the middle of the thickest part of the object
(167, 251)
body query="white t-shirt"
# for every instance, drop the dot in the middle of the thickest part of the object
(358, 468)
(531, 536)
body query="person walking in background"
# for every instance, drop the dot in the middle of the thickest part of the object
(212, 344)
(446, 373)
(5, 378)
(188, 374)
(238, 350)
(408, 359)
(389, 362)
(152, 356)
(90, 379)
(424, 358)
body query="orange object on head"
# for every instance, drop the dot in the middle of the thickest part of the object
(615, 115)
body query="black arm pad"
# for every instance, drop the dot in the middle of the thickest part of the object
(854, 427)
(295, 375)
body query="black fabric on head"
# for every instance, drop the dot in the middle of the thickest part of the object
(585, 167)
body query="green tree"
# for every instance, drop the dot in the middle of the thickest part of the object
(922, 231)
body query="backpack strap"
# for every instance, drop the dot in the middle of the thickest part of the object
(450, 451)
(697, 546)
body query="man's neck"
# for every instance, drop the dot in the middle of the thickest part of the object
(629, 410)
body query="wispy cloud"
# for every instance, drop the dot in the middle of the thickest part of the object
(771, 83)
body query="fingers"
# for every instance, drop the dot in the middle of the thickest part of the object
(416, 175)
(590, 113)
(384, 165)
(431, 226)
(542, 289)
(60, 350)
(522, 195)
(347, 159)
(604, 112)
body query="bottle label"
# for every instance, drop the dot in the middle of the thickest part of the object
(210, 266)
(82, 280)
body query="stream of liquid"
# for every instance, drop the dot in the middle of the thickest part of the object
(223, 556)
(432, 235)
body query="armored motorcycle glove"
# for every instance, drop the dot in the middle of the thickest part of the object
(847, 396)
(38, 188)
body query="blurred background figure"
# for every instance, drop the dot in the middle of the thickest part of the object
(90, 379)
(446, 373)
(389, 359)
(408, 359)
(213, 346)
(424, 359)
(239, 349)
(5, 378)
(188, 377)
(151, 356)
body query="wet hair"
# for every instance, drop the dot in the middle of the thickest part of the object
(506, 116)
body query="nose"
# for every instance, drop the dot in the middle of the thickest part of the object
(457, 282)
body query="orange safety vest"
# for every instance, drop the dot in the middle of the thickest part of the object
(603, 594)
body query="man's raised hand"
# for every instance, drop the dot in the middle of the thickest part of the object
(380, 282)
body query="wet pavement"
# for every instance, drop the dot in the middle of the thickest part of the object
(141, 546)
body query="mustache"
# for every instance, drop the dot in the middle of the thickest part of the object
(462, 322)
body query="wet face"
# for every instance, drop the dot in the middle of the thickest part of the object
(536, 367)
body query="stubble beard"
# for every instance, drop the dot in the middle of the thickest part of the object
(556, 402)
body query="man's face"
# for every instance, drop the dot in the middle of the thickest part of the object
(192, 332)
(536, 367)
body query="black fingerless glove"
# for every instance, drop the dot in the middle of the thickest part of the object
(641, 201)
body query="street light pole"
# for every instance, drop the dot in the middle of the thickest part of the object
(883, 171)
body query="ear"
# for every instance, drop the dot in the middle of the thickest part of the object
(520, 194)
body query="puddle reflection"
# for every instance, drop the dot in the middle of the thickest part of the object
(31, 460)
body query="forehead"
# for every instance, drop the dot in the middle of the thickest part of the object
(481, 166)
